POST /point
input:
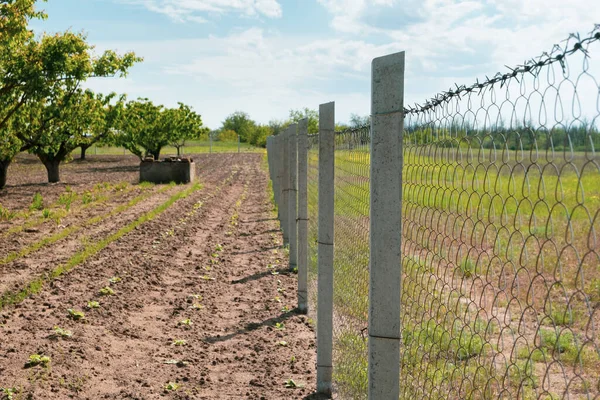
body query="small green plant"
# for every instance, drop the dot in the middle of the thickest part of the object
(37, 203)
(93, 304)
(66, 199)
(36, 359)
(186, 322)
(87, 197)
(62, 332)
(197, 306)
(106, 291)
(219, 247)
(115, 279)
(8, 393)
(280, 290)
(6, 214)
(283, 343)
(279, 326)
(277, 299)
(290, 384)
(179, 342)
(285, 309)
(76, 315)
(46, 213)
(171, 387)
(207, 278)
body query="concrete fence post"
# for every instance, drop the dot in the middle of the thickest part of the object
(303, 216)
(325, 248)
(293, 195)
(285, 186)
(387, 104)
(278, 165)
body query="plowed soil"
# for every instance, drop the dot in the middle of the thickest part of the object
(203, 304)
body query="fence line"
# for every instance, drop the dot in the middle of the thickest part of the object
(494, 191)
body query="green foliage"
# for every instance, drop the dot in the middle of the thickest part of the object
(8, 393)
(46, 213)
(36, 359)
(76, 315)
(241, 124)
(227, 135)
(37, 203)
(66, 199)
(106, 291)
(93, 304)
(62, 332)
(312, 116)
(147, 127)
(171, 386)
(6, 214)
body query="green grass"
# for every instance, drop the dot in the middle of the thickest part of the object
(524, 236)
(92, 249)
(193, 147)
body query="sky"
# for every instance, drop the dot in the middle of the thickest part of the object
(265, 57)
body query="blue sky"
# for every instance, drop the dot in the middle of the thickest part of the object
(266, 57)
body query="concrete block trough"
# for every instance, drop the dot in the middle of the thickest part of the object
(172, 169)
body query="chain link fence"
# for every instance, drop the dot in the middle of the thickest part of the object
(500, 253)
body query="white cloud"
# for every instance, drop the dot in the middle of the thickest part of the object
(197, 10)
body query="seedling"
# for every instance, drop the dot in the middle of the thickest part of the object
(62, 332)
(93, 304)
(46, 213)
(207, 278)
(106, 291)
(115, 279)
(274, 273)
(6, 214)
(8, 393)
(37, 203)
(277, 299)
(197, 306)
(279, 326)
(285, 309)
(76, 315)
(171, 386)
(186, 322)
(219, 247)
(36, 359)
(87, 197)
(179, 342)
(283, 343)
(290, 384)
(280, 290)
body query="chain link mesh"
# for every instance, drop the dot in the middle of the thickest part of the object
(500, 254)
(500, 246)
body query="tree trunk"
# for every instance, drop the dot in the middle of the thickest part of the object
(83, 150)
(178, 151)
(52, 166)
(3, 171)
(155, 154)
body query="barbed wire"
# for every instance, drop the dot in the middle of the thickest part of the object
(532, 66)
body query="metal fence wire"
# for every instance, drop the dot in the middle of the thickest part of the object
(500, 231)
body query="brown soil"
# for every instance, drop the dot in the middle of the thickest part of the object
(124, 349)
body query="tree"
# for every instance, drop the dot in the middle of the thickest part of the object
(240, 123)
(33, 72)
(147, 128)
(106, 124)
(144, 130)
(184, 125)
(311, 115)
(356, 121)
(51, 127)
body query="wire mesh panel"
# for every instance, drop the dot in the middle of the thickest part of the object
(501, 234)
(351, 263)
(313, 221)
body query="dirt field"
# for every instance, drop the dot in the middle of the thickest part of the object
(197, 302)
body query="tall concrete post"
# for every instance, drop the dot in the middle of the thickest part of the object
(303, 216)
(387, 118)
(278, 165)
(285, 186)
(293, 195)
(325, 249)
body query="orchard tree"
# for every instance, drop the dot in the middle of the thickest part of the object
(106, 123)
(144, 130)
(184, 124)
